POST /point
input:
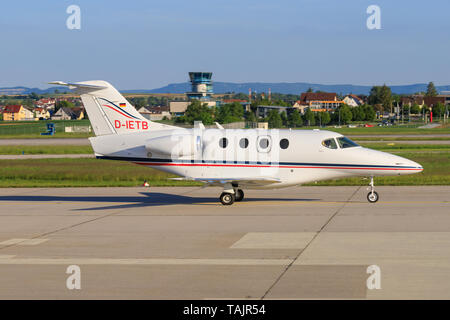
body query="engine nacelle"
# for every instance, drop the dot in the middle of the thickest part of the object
(177, 145)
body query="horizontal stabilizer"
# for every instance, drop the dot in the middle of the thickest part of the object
(77, 85)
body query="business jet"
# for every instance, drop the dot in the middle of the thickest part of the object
(232, 159)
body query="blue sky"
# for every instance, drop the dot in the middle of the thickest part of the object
(148, 44)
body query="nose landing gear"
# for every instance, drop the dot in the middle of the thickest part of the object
(372, 196)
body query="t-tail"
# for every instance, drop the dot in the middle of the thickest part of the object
(108, 111)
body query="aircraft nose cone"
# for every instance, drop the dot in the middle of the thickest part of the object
(408, 163)
(416, 165)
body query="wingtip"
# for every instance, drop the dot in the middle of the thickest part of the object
(61, 83)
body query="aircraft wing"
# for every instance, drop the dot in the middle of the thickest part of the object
(254, 182)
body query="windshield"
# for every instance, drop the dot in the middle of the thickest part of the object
(329, 143)
(345, 142)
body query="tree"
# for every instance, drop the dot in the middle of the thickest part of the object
(230, 113)
(358, 113)
(369, 112)
(380, 95)
(63, 104)
(250, 116)
(431, 90)
(344, 113)
(323, 118)
(138, 102)
(309, 117)
(326, 118)
(386, 99)
(295, 119)
(198, 111)
(438, 110)
(284, 118)
(34, 96)
(274, 119)
(415, 109)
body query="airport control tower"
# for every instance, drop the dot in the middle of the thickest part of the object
(201, 86)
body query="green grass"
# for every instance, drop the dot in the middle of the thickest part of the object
(405, 146)
(105, 173)
(63, 135)
(408, 138)
(33, 129)
(80, 173)
(407, 130)
(59, 149)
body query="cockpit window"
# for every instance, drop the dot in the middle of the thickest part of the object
(330, 143)
(345, 142)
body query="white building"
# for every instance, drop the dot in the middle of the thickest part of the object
(353, 100)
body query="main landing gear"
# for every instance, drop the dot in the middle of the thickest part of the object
(227, 198)
(239, 194)
(372, 196)
(231, 194)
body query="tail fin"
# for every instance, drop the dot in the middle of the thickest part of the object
(108, 111)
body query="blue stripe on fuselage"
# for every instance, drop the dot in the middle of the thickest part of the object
(250, 162)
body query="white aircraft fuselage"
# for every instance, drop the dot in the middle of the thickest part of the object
(204, 157)
(234, 159)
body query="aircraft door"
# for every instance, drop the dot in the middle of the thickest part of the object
(198, 146)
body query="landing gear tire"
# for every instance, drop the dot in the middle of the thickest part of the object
(372, 197)
(239, 195)
(227, 199)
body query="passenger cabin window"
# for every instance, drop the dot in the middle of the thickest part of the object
(264, 143)
(329, 143)
(223, 142)
(243, 143)
(284, 143)
(345, 142)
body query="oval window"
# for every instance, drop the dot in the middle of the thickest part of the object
(284, 143)
(264, 143)
(243, 143)
(223, 142)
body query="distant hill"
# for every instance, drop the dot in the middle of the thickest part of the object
(289, 88)
(25, 90)
(224, 87)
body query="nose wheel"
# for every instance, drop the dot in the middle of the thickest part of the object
(372, 196)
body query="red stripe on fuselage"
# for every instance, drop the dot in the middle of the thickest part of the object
(263, 166)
